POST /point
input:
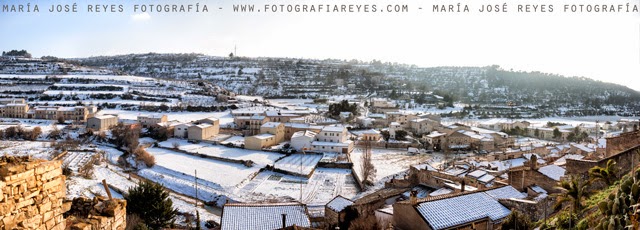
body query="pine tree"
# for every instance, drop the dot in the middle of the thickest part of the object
(151, 202)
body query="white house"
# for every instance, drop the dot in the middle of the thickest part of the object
(180, 130)
(302, 140)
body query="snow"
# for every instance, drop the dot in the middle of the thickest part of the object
(552, 171)
(224, 174)
(259, 157)
(302, 164)
(94, 77)
(339, 203)
(387, 162)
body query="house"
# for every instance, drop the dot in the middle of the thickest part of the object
(151, 120)
(423, 125)
(334, 210)
(371, 135)
(322, 146)
(393, 127)
(18, 110)
(291, 128)
(436, 140)
(467, 210)
(202, 131)
(181, 130)
(260, 141)
(337, 134)
(263, 216)
(101, 123)
(277, 116)
(76, 113)
(302, 140)
(275, 128)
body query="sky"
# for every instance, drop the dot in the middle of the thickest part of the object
(602, 46)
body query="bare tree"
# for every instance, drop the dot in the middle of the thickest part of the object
(367, 168)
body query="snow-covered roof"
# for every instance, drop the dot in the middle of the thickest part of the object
(538, 189)
(435, 134)
(505, 192)
(441, 191)
(271, 124)
(305, 133)
(203, 126)
(370, 131)
(449, 212)
(156, 116)
(552, 171)
(486, 178)
(264, 136)
(263, 216)
(563, 160)
(582, 147)
(104, 117)
(425, 166)
(333, 129)
(339, 203)
(477, 173)
(326, 143)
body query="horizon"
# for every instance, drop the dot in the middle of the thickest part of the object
(604, 47)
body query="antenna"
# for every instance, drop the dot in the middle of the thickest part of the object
(235, 50)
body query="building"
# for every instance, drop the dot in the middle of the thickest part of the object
(202, 131)
(101, 123)
(275, 128)
(470, 210)
(15, 110)
(182, 130)
(260, 141)
(264, 216)
(77, 113)
(423, 125)
(334, 210)
(5, 101)
(291, 128)
(302, 140)
(151, 120)
(337, 134)
(371, 135)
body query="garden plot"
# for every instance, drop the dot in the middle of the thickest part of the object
(300, 164)
(35, 149)
(79, 186)
(222, 174)
(259, 157)
(323, 186)
(76, 160)
(387, 161)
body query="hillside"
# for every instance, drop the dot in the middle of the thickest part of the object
(492, 86)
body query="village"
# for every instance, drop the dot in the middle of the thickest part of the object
(317, 164)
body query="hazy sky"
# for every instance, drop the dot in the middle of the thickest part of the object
(602, 46)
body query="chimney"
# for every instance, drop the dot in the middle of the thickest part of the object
(463, 185)
(413, 197)
(284, 220)
(534, 161)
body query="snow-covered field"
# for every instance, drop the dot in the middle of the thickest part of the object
(302, 164)
(93, 77)
(319, 189)
(224, 174)
(35, 149)
(388, 161)
(259, 157)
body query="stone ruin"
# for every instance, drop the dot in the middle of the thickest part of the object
(32, 196)
(97, 213)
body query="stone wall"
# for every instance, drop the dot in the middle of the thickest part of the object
(625, 161)
(97, 213)
(622, 142)
(536, 210)
(523, 177)
(31, 194)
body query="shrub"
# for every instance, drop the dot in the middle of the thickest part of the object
(150, 201)
(145, 157)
